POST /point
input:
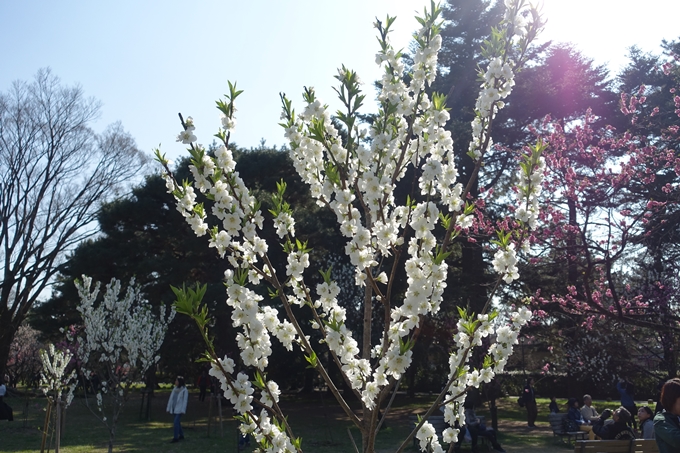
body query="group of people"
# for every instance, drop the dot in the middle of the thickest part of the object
(662, 425)
(621, 426)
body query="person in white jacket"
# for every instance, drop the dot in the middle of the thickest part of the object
(177, 405)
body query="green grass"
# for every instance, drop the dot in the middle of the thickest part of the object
(320, 422)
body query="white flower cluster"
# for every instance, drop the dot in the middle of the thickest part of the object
(506, 336)
(269, 433)
(53, 377)
(239, 392)
(428, 440)
(187, 135)
(505, 263)
(519, 23)
(121, 336)
(257, 323)
(497, 84)
(530, 178)
(340, 341)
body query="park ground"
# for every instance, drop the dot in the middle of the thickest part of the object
(322, 425)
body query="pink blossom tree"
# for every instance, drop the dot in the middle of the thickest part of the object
(612, 197)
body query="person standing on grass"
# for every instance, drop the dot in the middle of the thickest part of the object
(177, 405)
(667, 423)
(203, 381)
(627, 391)
(530, 403)
(5, 410)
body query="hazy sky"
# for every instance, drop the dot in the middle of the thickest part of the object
(148, 60)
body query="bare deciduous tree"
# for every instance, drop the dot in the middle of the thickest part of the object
(54, 173)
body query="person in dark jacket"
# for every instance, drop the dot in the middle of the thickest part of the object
(554, 408)
(574, 414)
(646, 417)
(619, 430)
(627, 392)
(530, 403)
(667, 423)
(5, 410)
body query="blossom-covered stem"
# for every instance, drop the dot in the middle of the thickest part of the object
(324, 375)
(216, 362)
(435, 406)
(368, 318)
(388, 407)
(334, 355)
(273, 280)
(309, 350)
(487, 305)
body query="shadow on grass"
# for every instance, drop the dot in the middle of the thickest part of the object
(320, 422)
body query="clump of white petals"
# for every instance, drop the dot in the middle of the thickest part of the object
(121, 336)
(53, 377)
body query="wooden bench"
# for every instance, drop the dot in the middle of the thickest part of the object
(557, 426)
(616, 446)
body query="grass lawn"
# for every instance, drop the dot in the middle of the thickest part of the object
(316, 418)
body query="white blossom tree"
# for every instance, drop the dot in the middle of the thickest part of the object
(54, 381)
(353, 169)
(120, 341)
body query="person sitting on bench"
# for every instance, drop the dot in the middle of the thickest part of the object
(477, 429)
(619, 430)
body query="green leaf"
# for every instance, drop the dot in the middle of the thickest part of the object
(273, 294)
(488, 362)
(405, 346)
(445, 220)
(241, 276)
(312, 360)
(160, 157)
(462, 312)
(259, 380)
(326, 274)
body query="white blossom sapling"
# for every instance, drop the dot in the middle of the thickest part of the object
(54, 380)
(353, 170)
(120, 340)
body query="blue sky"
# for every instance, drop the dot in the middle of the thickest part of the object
(148, 60)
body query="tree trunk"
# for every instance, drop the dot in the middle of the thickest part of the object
(368, 433)
(57, 426)
(473, 271)
(8, 328)
(112, 436)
